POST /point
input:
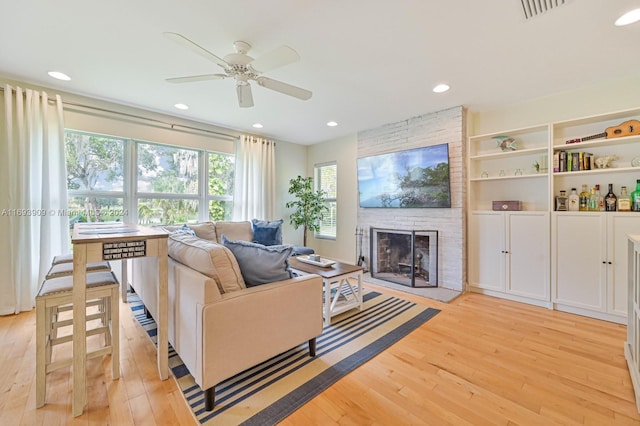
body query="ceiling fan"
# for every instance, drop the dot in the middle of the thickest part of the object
(244, 68)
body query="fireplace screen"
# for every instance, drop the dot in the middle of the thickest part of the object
(405, 257)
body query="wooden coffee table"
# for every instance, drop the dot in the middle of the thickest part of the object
(335, 279)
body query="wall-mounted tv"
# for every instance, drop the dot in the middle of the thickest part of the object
(415, 178)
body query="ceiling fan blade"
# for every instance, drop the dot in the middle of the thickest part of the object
(284, 88)
(192, 78)
(245, 98)
(279, 57)
(182, 40)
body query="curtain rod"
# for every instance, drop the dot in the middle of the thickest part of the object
(139, 117)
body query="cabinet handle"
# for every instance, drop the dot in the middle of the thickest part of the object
(609, 263)
(604, 262)
(506, 251)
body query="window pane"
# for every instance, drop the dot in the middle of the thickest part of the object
(221, 173)
(92, 209)
(328, 224)
(168, 170)
(94, 162)
(220, 210)
(326, 179)
(156, 211)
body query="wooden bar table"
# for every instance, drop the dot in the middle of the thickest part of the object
(96, 242)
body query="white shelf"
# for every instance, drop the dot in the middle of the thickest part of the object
(507, 154)
(524, 176)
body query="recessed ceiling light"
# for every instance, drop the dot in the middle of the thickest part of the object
(59, 75)
(628, 18)
(181, 106)
(257, 126)
(332, 123)
(441, 88)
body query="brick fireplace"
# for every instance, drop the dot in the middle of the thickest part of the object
(447, 126)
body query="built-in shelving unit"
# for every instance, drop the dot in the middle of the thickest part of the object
(497, 175)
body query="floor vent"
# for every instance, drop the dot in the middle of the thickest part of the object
(533, 8)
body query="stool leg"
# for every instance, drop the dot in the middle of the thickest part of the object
(106, 318)
(41, 337)
(115, 333)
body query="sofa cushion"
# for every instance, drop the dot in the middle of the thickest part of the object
(204, 230)
(260, 264)
(234, 231)
(208, 258)
(268, 233)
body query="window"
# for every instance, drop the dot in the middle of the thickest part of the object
(95, 177)
(220, 192)
(326, 178)
(116, 179)
(167, 184)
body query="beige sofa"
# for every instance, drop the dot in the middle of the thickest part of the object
(217, 325)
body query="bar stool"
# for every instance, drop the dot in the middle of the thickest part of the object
(57, 292)
(61, 267)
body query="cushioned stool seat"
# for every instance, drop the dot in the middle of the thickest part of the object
(63, 258)
(66, 268)
(58, 291)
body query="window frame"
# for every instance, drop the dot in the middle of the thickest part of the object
(317, 173)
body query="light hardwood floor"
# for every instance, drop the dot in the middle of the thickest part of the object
(482, 360)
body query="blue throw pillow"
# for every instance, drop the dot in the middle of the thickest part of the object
(267, 233)
(260, 264)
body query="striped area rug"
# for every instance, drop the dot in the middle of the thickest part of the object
(269, 392)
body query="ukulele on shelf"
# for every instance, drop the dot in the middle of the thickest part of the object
(628, 128)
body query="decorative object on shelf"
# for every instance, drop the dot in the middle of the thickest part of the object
(506, 205)
(518, 172)
(501, 173)
(484, 174)
(635, 162)
(536, 166)
(628, 128)
(506, 143)
(604, 162)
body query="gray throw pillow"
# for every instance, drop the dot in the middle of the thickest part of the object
(260, 264)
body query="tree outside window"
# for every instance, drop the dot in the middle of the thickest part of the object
(326, 179)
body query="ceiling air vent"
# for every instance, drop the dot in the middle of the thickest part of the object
(537, 7)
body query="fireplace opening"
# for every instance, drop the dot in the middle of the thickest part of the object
(404, 257)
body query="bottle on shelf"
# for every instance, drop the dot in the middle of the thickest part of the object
(610, 200)
(635, 198)
(599, 199)
(624, 202)
(561, 201)
(593, 200)
(573, 201)
(584, 199)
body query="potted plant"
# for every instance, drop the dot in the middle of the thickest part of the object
(308, 206)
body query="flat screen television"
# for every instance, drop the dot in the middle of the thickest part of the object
(414, 178)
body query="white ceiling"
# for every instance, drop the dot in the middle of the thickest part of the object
(367, 62)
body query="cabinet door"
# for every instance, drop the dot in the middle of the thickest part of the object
(528, 254)
(486, 250)
(619, 226)
(579, 251)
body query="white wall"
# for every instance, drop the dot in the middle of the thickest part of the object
(611, 96)
(344, 152)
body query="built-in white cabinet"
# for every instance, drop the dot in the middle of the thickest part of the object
(632, 347)
(509, 254)
(589, 262)
(585, 269)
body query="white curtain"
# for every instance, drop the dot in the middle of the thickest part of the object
(33, 194)
(255, 179)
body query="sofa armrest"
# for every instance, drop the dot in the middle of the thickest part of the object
(246, 327)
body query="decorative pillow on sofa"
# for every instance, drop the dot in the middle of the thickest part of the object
(208, 258)
(268, 233)
(260, 264)
(204, 230)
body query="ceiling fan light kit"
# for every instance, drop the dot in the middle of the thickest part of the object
(243, 69)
